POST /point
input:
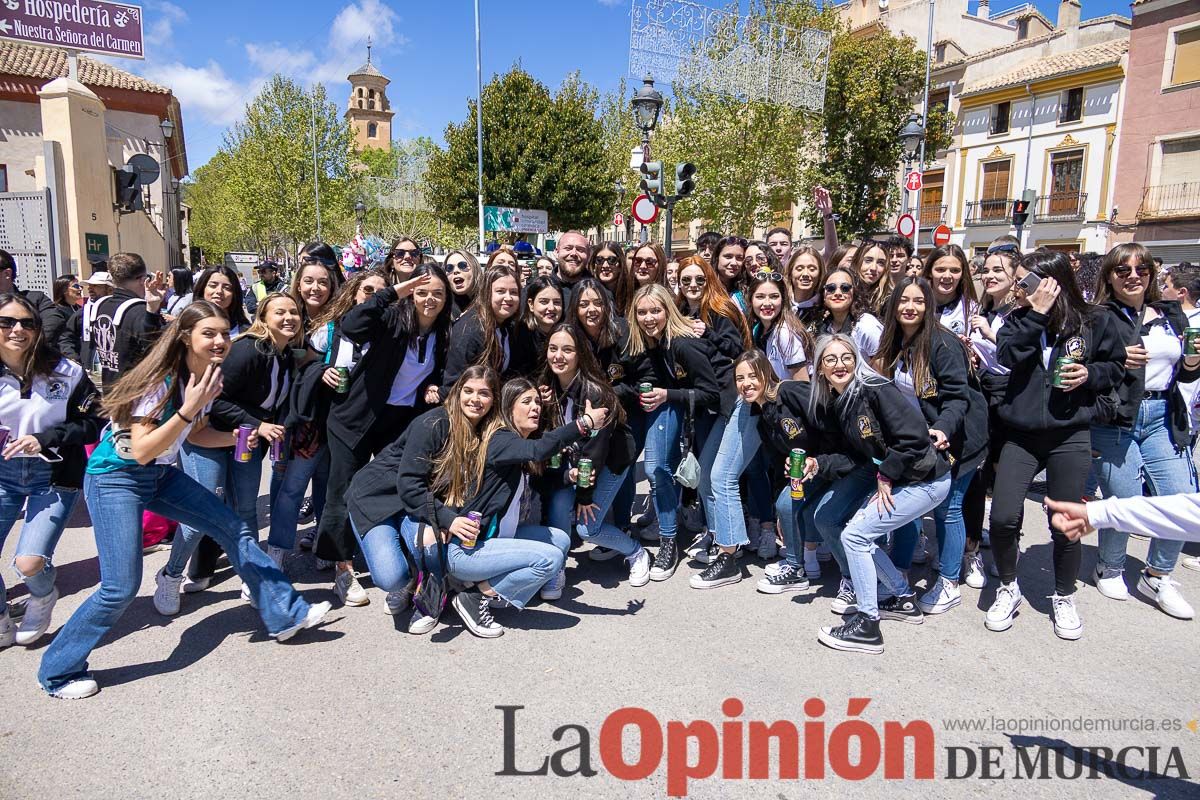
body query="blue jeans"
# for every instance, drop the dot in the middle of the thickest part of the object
(623, 503)
(244, 479)
(662, 457)
(838, 504)
(515, 567)
(209, 467)
(868, 564)
(796, 521)
(285, 506)
(25, 486)
(1122, 458)
(116, 501)
(727, 453)
(951, 528)
(390, 570)
(599, 532)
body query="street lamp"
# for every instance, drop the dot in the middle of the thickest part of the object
(360, 212)
(168, 128)
(647, 103)
(169, 213)
(911, 137)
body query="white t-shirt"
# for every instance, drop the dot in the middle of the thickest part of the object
(512, 517)
(417, 366)
(1165, 351)
(904, 382)
(986, 349)
(952, 317)
(319, 341)
(46, 405)
(785, 350)
(865, 333)
(144, 408)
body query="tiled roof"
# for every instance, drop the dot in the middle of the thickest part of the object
(367, 69)
(1098, 55)
(50, 62)
(1106, 18)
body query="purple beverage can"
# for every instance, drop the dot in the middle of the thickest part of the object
(279, 448)
(241, 451)
(5, 431)
(475, 517)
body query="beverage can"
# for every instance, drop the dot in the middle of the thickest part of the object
(645, 387)
(556, 461)
(5, 432)
(796, 473)
(278, 448)
(475, 517)
(241, 451)
(343, 380)
(1059, 363)
(584, 480)
(1191, 341)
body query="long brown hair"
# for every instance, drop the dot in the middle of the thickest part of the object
(457, 471)
(660, 271)
(622, 286)
(344, 300)
(1117, 257)
(167, 358)
(762, 367)
(40, 357)
(493, 352)
(882, 289)
(966, 283)
(335, 282)
(714, 299)
(812, 252)
(917, 351)
(591, 378)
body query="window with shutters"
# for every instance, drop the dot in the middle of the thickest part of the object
(1183, 56)
(1070, 105)
(933, 209)
(1000, 113)
(1066, 185)
(993, 198)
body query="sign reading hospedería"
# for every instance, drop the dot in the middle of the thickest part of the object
(97, 26)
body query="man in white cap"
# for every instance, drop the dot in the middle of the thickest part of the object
(99, 286)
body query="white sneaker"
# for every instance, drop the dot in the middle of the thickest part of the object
(419, 624)
(1067, 624)
(812, 565)
(639, 567)
(166, 595)
(247, 597)
(277, 554)
(312, 619)
(766, 543)
(1111, 582)
(1159, 588)
(76, 689)
(553, 588)
(973, 574)
(1190, 562)
(349, 590)
(8, 631)
(37, 618)
(1000, 616)
(602, 554)
(941, 597)
(192, 586)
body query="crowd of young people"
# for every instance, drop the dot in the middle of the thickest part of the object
(461, 425)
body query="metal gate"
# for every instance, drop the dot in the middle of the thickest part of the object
(27, 232)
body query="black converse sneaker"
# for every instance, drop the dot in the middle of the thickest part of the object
(723, 570)
(785, 579)
(845, 602)
(901, 608)
(859, 635)
(665, 561)
(472, 608)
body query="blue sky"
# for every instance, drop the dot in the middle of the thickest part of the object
(215, 54)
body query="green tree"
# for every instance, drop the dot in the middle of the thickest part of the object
(539, 151)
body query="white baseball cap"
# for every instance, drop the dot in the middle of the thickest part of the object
(100, 278)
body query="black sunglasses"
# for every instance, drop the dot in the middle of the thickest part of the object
(611, 261)
(768, 275)
(698, 280)
(844, 288)
(1143, 270)
(400, 252)
(461, 266)
(1003, 248)
(26, 323)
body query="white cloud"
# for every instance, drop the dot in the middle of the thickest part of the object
(269, 57)
(164, 16)
(613, 3)
(347, 48)
(204, 91)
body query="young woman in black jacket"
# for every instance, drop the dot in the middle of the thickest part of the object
(931, 367)
(593, 314)
(1046, 414)
(664, 352)
(608, 266)
(543, 310)
(484, 335)
(1148, 434)
(886, 435)
(574, 380)
(415, 489)
(511, 559)
(51, 410)
(464, 273)
(403, 332)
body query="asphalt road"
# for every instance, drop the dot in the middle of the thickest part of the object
(204, 704)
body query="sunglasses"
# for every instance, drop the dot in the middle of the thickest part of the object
(400, 252)
(461, 266)
(1003, 248)
(611, 261)
(838, 288)
(649, 262)
(1123, 271)
(26, 323)
(698, 280)
(846, 359)
(768, 275)
(309, 260)
(760, 258)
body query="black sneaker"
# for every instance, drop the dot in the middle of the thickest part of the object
(901, 608)
(859, 635)
(665, 561)
(722, 571)
(306, 511)
(472, 609)
(786, 579)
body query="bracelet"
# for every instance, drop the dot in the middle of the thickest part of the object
(185, 419)
(591, 423)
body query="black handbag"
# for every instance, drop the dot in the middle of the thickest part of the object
(432, 591)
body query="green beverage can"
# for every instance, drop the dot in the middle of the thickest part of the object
(556, 461)
(584, 481)
(1191, 341)
(645, 387)
(1059, 363)
(343, 380)
(796, 473)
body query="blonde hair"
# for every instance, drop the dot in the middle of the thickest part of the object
(457, 471)
(259, 330)
(677, 323)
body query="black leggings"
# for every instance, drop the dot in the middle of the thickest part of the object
(1066, 455)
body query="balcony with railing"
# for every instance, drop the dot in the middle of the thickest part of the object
(1060, 207)
(932, 215)
(1171, 200)
(988, 212)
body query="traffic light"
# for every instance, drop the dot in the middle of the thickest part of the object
(1020, 212)
(684, 185)
(652, 181)
(129, 190)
